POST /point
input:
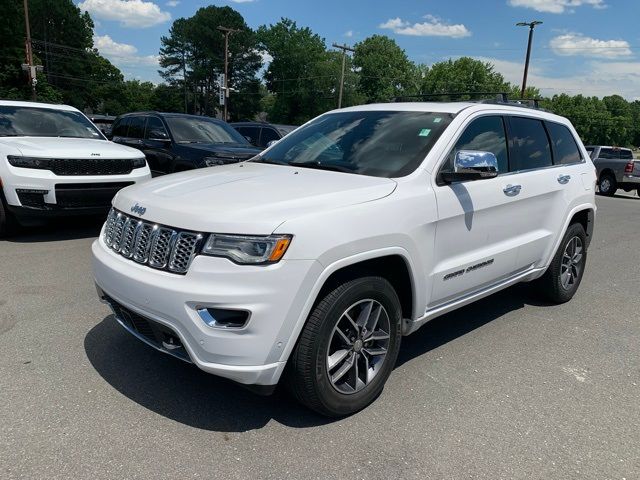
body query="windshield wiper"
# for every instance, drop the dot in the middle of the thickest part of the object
(322, 166)
(259, 159)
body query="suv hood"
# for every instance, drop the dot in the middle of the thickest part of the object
(56, 147)
(247, 198)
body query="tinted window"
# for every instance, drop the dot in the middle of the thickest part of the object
(565, 149)
(268, 134)
(485, 134)
(45, 122)
(609, 153)
(136, 127)
(203, 130)
(155, 128)
(252, 132)
(121, 127)
(626, 154)
(530, 144)
(376, 143)
(590, 151)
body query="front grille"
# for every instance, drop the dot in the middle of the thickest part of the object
(91, 166)
(87, 195)
(157, 246)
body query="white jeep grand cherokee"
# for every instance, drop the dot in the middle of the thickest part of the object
(312, 260)
(54, 161)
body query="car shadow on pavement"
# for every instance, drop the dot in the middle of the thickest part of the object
(181, 392)
(59, 229)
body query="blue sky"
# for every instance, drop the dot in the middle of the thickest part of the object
(583, 46)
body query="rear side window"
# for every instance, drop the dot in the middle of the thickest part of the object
(252, 132)
(609, 153)
(485, 134)
(626, 154)
(155, 128)
(565, 148)
(121, 127)
(136, 127)
(529, 144)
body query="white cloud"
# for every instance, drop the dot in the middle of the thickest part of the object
(572, 44)
(348, 33)
(266, 58)
(433, 27)
(242, 1)
(556, 6)
(597, 78)
(130, 13)
(122, 54)
(172, 3)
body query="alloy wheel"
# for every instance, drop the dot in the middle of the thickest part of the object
(571, 266)
(358, 346)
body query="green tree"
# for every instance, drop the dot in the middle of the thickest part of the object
(385, 70)
(294, 75)
(194, 53)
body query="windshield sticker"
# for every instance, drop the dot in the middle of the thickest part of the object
(424, 132)
(437, 120)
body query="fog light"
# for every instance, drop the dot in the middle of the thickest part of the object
(223, 318)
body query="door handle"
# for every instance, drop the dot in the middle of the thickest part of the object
(512, 190)
(564, 179)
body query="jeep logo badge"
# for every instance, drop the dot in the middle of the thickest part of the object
(138, 209)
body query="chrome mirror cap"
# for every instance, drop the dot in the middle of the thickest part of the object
(476, 162)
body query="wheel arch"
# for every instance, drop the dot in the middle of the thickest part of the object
(377, 262)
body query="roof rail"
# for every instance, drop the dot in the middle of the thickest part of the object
(495, 98)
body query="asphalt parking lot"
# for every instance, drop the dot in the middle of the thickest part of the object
(506, 388)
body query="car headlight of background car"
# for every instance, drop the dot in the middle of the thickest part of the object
(247, 249)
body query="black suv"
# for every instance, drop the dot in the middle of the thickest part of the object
(260, 133)
(175, 142)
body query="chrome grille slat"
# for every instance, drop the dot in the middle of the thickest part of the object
(156, 246)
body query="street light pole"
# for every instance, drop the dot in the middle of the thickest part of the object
(344, 49)
(531, 26)
(227, 31)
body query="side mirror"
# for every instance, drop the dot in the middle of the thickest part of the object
(472, 165)
(271, 142)
(158, 136)
(249, 139)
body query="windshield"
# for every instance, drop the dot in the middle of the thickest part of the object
(45, 122)
(202, 130)
(376, 143)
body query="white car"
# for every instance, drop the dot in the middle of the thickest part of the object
(54, 161)
(316, 257)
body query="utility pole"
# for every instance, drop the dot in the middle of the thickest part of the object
(344, 49)
(227, 31)
(531, 26)
(29, 66)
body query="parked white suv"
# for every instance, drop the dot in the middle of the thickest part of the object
(316, 257)
(54, 161)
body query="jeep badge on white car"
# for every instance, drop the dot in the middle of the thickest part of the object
(310, 262)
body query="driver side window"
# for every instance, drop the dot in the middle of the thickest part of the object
(485, 134)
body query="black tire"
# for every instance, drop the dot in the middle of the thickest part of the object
(8, 224)
(638, 191)
(607, 184)
(551, 283)
(308, 370)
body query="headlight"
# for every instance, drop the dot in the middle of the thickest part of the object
(29, 162)
(250, 250)
(138, 162)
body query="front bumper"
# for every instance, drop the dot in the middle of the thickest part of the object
(275, 295)
(33, 192)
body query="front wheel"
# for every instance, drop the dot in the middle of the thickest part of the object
(607, 185)
(8, 224)
(347, 348)
(562, 279)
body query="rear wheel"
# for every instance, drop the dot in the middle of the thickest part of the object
(562, 279)
(348, 347)
(607, 184)
(638, 192)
